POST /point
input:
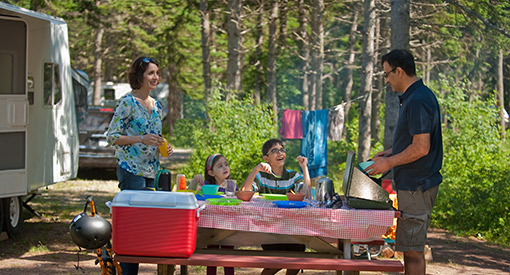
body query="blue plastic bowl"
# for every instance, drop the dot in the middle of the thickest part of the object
(210, 189)
(364, 166)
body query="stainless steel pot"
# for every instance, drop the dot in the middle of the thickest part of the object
(325, 189)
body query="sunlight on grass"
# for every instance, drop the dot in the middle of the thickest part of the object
(40, 247)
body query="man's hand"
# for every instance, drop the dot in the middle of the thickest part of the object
(382, 154)
(381, 165)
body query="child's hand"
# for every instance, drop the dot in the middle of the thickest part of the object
(264, 167)
(302, 161)
(198, 180)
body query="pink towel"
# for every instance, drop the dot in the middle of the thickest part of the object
(292, 126)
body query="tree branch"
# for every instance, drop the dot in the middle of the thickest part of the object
(477, 15)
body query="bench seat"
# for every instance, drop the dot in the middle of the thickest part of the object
(265, 261)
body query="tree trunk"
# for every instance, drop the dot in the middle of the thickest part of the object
(399, 40)
(375, 126)
(259, 35)
(350, 64)
(317, 53)
(501, 94)
(304, 52)
(367, 71)
(283, 24)
(206, 44)
(98, 61)
(271, 58)
(174, 98)
(429, 65)
(234, 46)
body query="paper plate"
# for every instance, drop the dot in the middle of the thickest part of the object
(224, 201)
(190, 191)
(273, 197)
(290, 204)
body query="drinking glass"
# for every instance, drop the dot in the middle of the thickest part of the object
(231, 187)
(305, 189)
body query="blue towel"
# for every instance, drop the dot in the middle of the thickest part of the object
(314, 144)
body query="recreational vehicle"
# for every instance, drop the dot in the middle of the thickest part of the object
(38, 129)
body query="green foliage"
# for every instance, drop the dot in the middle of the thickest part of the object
(473, 197)
(183, 131)
(236, 129)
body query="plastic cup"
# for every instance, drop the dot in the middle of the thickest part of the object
(231, 187)
(163, 148)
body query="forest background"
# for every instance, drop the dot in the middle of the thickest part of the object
(233, 66)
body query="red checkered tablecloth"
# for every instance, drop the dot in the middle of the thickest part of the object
(260, 215)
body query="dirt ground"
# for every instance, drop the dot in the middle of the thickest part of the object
(44, 245)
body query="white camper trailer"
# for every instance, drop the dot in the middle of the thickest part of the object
(38, 129)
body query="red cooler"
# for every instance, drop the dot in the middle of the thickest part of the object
(154, 223)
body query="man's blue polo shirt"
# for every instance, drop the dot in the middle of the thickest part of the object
(418, 114)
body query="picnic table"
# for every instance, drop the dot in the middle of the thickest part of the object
(329, 232)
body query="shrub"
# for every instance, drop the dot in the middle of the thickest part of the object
(236, 129)
(183, 132)
(473, 198)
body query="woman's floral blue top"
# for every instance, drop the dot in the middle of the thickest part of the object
(132, 119)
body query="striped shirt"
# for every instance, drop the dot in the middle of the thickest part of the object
(268, 184)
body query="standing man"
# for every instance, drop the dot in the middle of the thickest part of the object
(416, 157)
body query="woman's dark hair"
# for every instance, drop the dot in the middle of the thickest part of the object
(270, 143)
(210, 161)
(138, 67)
(400, 58)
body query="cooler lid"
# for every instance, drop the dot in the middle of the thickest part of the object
(159, 199)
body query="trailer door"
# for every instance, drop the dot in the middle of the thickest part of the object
(13, 107)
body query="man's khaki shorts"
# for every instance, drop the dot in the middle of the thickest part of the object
(412, 226)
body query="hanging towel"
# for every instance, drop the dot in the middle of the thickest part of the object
(292, 126)
(314, 145)
(336, 120)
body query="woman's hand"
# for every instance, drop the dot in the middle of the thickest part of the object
(153, 140)
(170, 150)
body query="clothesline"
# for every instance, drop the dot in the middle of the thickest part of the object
(351, 100)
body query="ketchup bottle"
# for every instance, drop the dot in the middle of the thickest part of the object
(182, 183)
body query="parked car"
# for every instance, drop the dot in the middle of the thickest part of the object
(93, 124)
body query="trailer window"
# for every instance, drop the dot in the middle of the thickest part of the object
(52, 86)
(14, 148)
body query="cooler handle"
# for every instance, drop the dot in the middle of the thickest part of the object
(200, 209)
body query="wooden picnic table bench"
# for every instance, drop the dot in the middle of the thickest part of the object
(263, 259)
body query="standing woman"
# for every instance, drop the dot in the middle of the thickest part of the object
(135, 131)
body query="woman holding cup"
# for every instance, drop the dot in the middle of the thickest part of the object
(136, 127)
(135, 132)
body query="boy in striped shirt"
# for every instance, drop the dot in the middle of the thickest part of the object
(272, 177)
